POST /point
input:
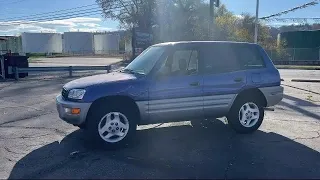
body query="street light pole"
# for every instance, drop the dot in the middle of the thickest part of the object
(211, 28)
(256, 23)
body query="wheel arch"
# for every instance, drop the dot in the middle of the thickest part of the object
(126, 100)
(252, 92)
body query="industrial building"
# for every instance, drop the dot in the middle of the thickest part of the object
(78, 42)
(10, 43)
(305, 45)
(41, 42)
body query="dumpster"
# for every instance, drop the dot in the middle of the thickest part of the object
(11, 61)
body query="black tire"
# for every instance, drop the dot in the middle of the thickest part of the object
(233, 116)
(94, 118)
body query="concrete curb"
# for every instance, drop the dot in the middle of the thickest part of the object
(306, 80)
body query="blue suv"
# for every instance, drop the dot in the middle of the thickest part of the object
(175, 82)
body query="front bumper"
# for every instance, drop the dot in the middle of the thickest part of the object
(273, 95)
(75, 119)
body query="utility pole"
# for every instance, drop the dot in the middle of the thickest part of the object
(211, 19)
(213, 3)
(256, 23)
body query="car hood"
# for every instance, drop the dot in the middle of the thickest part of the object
(99, 79)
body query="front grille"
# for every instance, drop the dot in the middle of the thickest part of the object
(64, 93)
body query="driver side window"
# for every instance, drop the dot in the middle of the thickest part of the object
(181, 63)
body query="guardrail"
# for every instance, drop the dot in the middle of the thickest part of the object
(69, 69)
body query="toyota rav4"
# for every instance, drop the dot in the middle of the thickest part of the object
(175, 82)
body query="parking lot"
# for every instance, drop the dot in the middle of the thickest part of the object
(35, 143)
(74, 61)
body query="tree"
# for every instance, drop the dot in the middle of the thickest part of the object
(129, 12)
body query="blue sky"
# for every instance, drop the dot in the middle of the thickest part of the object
(18, 8)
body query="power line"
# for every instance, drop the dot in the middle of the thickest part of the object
(51, 18)
(59, 14)
(33, 15)
(15, 2)
(312, 3)
(301, 19)
(58, 17)
(49, 14)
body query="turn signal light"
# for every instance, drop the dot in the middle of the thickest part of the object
(75, 111)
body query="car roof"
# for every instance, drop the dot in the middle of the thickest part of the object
(201, 43)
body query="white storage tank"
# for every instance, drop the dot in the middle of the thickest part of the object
(41, 42)
(78, 42)
(106, 43)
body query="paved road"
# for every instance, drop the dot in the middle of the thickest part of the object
(35, 143)
(289, 74)
(74, 61)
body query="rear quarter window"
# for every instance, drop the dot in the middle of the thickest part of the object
(249, 57)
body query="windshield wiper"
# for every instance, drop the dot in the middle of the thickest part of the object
(132, 71)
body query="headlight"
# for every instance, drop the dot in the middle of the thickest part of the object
(76, 94)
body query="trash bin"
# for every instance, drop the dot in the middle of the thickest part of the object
(14, 61)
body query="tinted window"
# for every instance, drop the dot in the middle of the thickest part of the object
(220, 58)
(249, 57)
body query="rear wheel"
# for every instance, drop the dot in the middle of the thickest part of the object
(246, 115)
(112, 127)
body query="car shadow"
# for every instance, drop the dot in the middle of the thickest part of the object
(211, 150)
(298, 106)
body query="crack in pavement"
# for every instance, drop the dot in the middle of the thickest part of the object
(316, 122)
(26, 118)
(318, 136)
(8, 159)
(58, 131)
(301, 89)
(7, 107)
(25, 137)
(7, 86)
(10, 151)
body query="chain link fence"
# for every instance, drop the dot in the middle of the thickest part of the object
(295, 54)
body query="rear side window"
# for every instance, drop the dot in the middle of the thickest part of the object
(220, 59)
(249, 57)
(224, 58)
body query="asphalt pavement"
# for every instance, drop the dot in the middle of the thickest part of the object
(35, 143)
(74, 61)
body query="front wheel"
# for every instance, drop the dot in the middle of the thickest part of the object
(246, 115)
(112, 127)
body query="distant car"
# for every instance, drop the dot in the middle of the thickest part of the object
(173, 82)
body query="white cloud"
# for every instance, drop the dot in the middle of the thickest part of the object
(87, 24)
(99, 29)
(277, 24)
(239, 16)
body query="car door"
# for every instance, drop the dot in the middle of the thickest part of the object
(223, 78)
(176, 96)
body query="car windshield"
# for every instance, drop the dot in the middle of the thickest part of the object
(146, 60)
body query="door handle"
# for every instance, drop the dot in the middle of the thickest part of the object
(194, 84)
(238, 80)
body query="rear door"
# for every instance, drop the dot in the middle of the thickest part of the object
(223, 78)
(251, 59)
